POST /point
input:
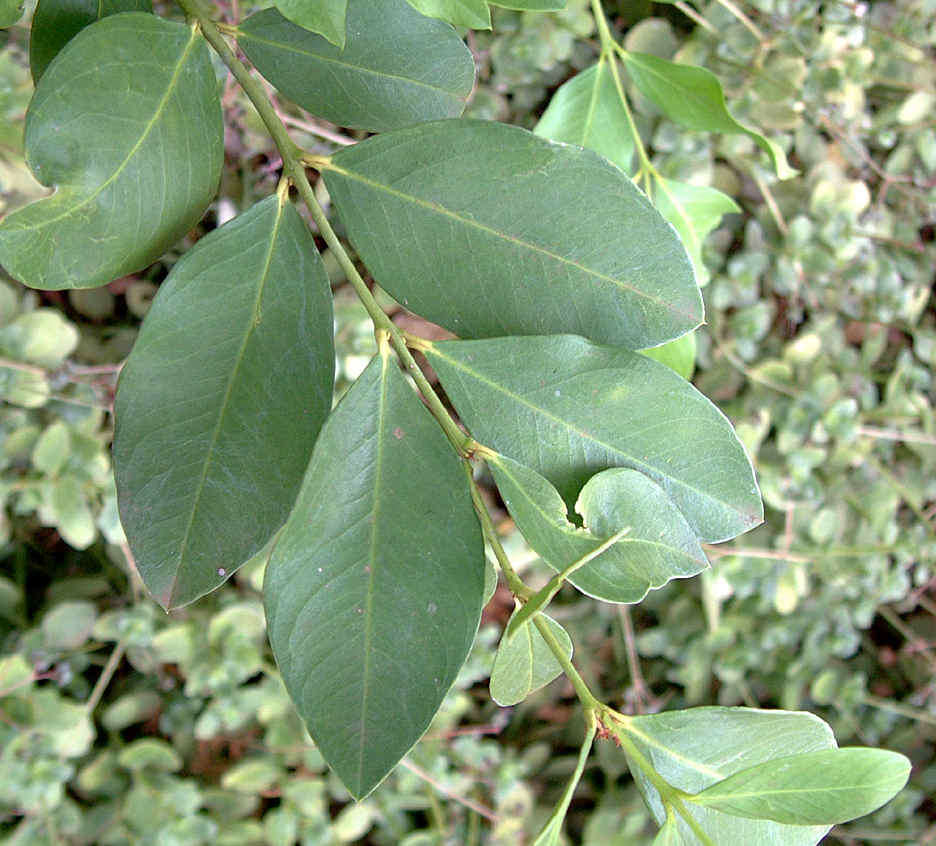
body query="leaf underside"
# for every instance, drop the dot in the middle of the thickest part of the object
(490, 230)
(211, 440)
(146, 85)
(373, 592)
(533, 399)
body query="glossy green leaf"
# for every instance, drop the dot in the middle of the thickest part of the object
(659, 546)
(524, 663)
(56, 22)
(373, 592)
(588, 111)
(489, 230)
(551, 834)
(397, 67)
(678, 355)
(326, 17)
(694, 210)
(534, 400)
(815, 788)
(473, 14)
(10, 12)
(696, 748)
(220, 402)
(693, 96)
(146, 85)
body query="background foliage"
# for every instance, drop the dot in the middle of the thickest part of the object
(119, 724)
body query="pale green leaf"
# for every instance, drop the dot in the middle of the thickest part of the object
(531, 5)
(534, 400)
(694, 210)
(52, 448)
(587, 111)
(473, 14)
(373, 592)
(23, 387)
(220, 402)
(524, 663)
(68, 625)
(551, 834)
(68, 505)
(659, 546)
(678, 355)
(489, 230)
(56, 22)
(696, 748)
(10, 12)
(397, 68)
(693, 96)
(815, 788)
(147, 87)
(669, 834)
(149, 753)
(326, 17)
(43, 337)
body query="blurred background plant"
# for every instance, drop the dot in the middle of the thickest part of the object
(122, 725)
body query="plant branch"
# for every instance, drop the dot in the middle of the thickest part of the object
(106, 675)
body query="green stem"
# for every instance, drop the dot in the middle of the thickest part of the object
(608, 48)
(586, 697)
(106, 675)
(670, 796)
(294, 170)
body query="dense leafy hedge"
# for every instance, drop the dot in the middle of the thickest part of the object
(119, 724)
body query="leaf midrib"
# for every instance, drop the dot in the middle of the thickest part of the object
(248, 35)
(504, 236)
(160, 108)
(433, 349)
(239, 358)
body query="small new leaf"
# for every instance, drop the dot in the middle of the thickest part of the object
(816, 788)
(693, 97)
(473, 14)
(587, 111)
(524, 663)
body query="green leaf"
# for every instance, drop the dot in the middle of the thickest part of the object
(326, 17)
(43, 337)
(146, 85)
(534, 400)
(397, 67)
(693, 96)
(530, 236)
(696, 748)
(552, 832)
(524, 663)
(373, 593)
(10, 12)
(56, 22)
(815, 788)
(72, 516)
(531, 5)
(221, 400)
(694, 210)
(587, 111)
(660, 545)
(678, 355)
(473, 14)
(68, 625)
(669, 834)
(52, 448)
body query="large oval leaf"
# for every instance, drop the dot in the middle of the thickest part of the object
(146, 87)
(659, 546)
(570, 409)
(373, 593)
(56, 22)
(815, 788)
(696, 748)
(489, 230)
(397, 66)
(220, 402)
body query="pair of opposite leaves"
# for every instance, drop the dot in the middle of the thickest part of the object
(228, 496)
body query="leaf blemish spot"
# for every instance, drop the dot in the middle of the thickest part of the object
(221, 571)
(398, 433)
